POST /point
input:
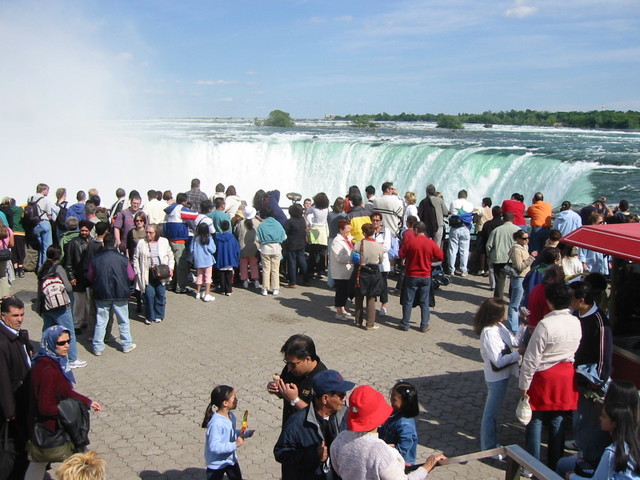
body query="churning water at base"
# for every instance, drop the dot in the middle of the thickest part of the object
(316, 155)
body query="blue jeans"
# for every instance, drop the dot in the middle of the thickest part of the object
(459, 241)
(517, 291)
(42, 231)
(295, 259)
(121, 311)
(155, 300)
(555, 420)
(496, 392)
(64, 318)
(416, 286)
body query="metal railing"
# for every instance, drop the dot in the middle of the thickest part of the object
(516, 458)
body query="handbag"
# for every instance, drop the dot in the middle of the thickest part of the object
(505, 351)
(46, 446)
(509, 269)
(5, 254)
(160, 272)
(523, 410)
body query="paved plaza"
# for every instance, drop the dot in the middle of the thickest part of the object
(154, 398)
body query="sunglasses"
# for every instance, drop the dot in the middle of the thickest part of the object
(292, 364)
(63, 342)
(341, 395)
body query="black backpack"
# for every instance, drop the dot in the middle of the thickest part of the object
(32, 214)
(61, 219)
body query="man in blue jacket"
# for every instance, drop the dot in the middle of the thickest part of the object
(303, 446)
(111, 275)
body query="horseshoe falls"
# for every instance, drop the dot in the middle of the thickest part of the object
(320, 155)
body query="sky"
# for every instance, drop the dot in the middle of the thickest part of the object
(73, 59)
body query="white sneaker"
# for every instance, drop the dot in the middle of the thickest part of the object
(256, 284)
(245, 284)
(276, 292)
(198, 296)
(383, 312)
(77, 363)
(208, 298)
(133, 346)
(264, 292)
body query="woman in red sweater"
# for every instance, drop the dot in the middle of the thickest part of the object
(52, 381)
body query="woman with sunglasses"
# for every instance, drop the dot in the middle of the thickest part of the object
(151, 251)
(521, 260)
(51, 382)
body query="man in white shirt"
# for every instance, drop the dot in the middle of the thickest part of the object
(461, 216)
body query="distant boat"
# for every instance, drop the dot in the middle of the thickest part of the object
(488, 125)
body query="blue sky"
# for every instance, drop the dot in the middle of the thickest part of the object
(160, 58)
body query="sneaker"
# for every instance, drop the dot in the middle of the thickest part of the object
(264, 292)
(245, 284)
(276, 292)
(290, 285)
(463, 274)
(375, 327)
(77, 363)
(256, 284)
(342, 316)
(132, 347)
(480, 273)
(97, 353)
(158, 320)
(526, 473)
(199, 295)
(147, 322)
(383, 312)
(425, 330)
(208, 298)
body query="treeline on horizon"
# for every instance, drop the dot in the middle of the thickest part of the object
(609, 119)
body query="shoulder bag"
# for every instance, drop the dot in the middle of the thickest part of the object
(509, 269)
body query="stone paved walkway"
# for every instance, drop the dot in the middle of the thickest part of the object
(154, 398)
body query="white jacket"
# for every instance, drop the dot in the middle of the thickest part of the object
(142, 260)
(340, 259)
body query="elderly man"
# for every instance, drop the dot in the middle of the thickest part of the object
(432, 211)
(303, 446)
(15, 365)
(195, 196)
(293, 384)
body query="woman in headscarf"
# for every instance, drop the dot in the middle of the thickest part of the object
(51, 382)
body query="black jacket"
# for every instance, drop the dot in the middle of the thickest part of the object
(109, 275)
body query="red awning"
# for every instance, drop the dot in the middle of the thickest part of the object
(619, 240)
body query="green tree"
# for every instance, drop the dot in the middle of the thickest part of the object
(449, 121)
(278, 118)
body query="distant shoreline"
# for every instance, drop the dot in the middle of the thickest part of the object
(595, 119)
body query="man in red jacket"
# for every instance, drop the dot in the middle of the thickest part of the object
(419, 254)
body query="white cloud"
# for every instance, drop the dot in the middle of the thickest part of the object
(215, 82)
(520, 10)
(226, 100)
(318, 20)
(126, 56)
(344, 18)
(250, 73)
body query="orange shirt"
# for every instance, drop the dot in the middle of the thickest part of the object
(540, 214)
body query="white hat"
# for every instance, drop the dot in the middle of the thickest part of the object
(249, 212)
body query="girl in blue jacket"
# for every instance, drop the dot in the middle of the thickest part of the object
(400, 429)
(202, 249)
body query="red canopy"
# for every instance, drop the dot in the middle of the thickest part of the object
(619, 240)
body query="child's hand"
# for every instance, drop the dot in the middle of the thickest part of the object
(239, 441)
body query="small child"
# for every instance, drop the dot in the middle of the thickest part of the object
(400, 428)
(227, 257)
(202, 249)
(222, 439)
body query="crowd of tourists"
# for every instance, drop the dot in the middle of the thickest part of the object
(91, 261)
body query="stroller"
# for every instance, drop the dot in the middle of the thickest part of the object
(438, 277)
